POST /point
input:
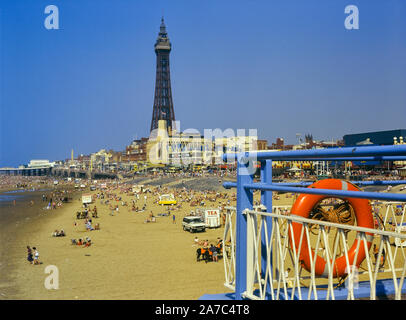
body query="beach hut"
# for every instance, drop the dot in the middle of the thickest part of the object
(402, 171)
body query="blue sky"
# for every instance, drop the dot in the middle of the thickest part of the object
(281, 67)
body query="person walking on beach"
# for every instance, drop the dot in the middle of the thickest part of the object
(29, 255)
(173, 219)
(36, 255)
(95, 212)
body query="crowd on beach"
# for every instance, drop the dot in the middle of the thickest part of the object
(56, 198)
(112, 195)
(139, 200)
(214, 250)
(29, 183)
(120, 197)
(192, 174)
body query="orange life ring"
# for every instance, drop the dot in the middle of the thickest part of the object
(304, 205)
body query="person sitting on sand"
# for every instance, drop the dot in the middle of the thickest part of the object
(197, 242)
(87, 242)
(80, 242)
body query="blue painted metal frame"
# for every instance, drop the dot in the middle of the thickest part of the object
(384, 288)
(229, 184)
(245, 200)
(359, 153)
(266, 200)
(245, 187)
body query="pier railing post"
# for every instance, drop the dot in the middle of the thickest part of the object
(244, 201)
(266, 200)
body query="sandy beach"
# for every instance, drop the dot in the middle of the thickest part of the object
(128, 258)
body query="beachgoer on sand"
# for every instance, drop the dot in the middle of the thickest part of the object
(213, 249)
(29, 255)
(36, 256)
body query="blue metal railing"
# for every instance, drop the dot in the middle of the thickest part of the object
(387, 153)
(245, 186)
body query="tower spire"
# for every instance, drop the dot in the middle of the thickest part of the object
(163, 104)
(163, 27)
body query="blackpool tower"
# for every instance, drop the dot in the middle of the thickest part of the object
(163, 104)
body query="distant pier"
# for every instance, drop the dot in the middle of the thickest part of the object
(38, 171)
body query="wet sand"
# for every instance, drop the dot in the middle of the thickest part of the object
(17, 218)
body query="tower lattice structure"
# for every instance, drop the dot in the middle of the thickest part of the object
(163, 104)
